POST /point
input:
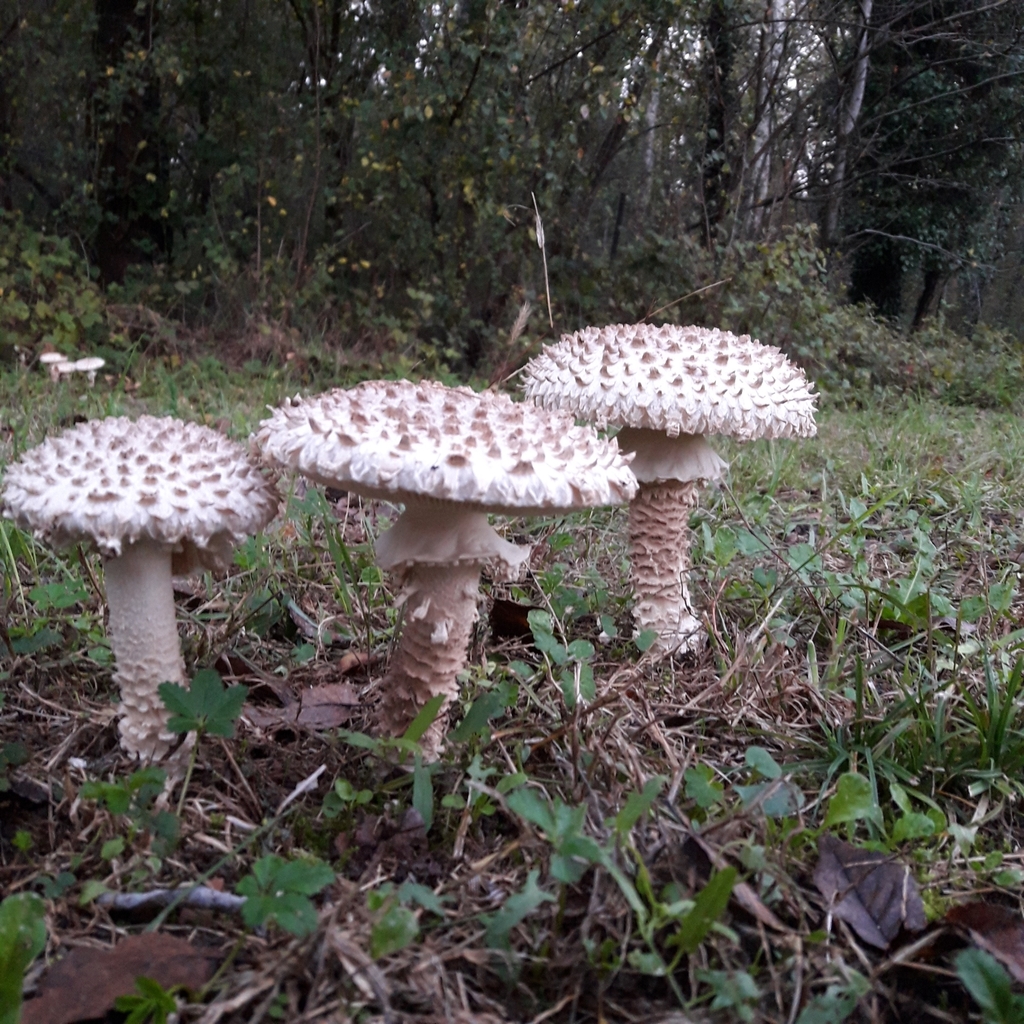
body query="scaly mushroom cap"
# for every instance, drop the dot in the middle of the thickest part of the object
(402, 441)
(680, 380)
(116, 481)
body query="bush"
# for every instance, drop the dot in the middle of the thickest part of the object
(46, 293)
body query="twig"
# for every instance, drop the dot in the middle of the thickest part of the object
(689, 295)
(539, 227)
(202, 897)
(303, 787)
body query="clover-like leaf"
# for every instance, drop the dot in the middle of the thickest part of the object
(207, 707)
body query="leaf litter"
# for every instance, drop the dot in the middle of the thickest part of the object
(512, 941)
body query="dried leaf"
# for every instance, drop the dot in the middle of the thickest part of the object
(320, 707)
(509, 620)
(995, 929)
(86, 982)
(869, 891)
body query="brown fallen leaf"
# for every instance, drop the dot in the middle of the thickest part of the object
(351, 660)
(86, 982)
(872, 893)
(320, 707)
(509, 620)
(995, 929)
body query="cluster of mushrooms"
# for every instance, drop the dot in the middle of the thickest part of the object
(159, 497)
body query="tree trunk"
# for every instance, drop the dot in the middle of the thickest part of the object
(934, 281)
(849, 113)
(716, 175)
(770, 45)
(132, 183)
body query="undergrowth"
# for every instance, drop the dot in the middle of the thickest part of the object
(607, 836)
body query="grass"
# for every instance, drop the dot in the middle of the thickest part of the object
(568, 859)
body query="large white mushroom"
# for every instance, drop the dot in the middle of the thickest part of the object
(450, 456)
(158, 498)
(667, 387)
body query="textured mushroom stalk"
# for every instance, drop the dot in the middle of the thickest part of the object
(440, 609)
(156, 496)
(436, 549)
(144, 637)
(450, 456)
(659, 540)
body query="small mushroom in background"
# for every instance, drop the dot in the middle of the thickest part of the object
(53, 361)
(158, 498)
(667, 387)
(450, 456)
(89, 365)
(61, 366)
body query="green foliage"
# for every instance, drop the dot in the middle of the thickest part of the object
(837, 1002)
(134, 797)
(344, 796)
(990, 986)
(575, 674)
(395, 924)
(573, 851)
(22, 938)
(150, 1005)
(46, 294)
(11, 756)
(735, 991)
(278, 891)
(854, 801)
(206, 707)
(515, 909)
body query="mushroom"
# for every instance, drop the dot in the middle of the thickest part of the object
(54, 363)
(158, 498)
(667, 387)
(89, 365)
(450, 456)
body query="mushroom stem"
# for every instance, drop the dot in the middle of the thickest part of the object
(144, 637)
(440, 609)
(659, 539)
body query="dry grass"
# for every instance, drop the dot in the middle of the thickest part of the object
(806, 660)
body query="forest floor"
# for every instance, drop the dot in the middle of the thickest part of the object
(814, 818)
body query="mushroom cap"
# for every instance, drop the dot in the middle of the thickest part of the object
(116, 482)
(53, 357)
(90, 364)
(400, 440)
(680, 380)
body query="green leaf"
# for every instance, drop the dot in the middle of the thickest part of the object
(853, 800)
(913, 826)
(638, 804)
(206, 707)
(517, 907)
(279, 890)
(645, 639)
(151, 1004)
(22, 938)
(112, 848)
(413, 892)
(761, 761)
(648, 963)
(837, 1002)
(394, 931)
(484, 708)
(509, 782)
(702, 787)
(423, 793)
(90, 890)
(424, 720)
(529, 804)
(990, 986)
(707, 908)
(1000, 597)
